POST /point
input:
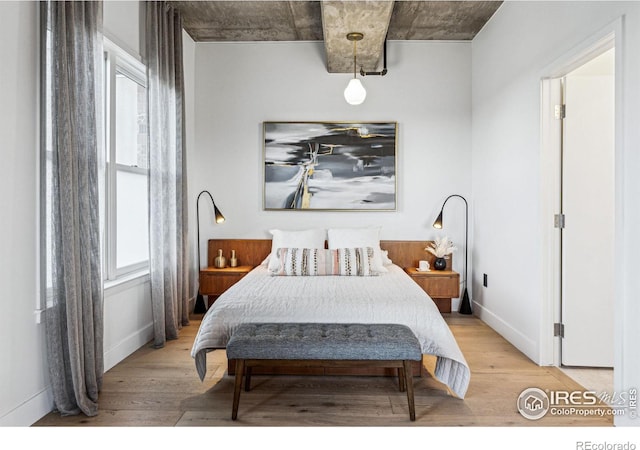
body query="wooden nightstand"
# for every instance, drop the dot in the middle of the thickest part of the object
(214, 282)
(441, 285)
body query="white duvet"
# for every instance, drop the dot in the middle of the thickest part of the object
(391, 297)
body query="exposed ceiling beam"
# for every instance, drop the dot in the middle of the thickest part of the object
(371, 18)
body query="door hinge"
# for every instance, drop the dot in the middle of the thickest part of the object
(558, 329)
(561, 111)
(558, 221)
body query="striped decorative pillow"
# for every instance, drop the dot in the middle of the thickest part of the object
(352, 261)
(298, 262)
(314, 262)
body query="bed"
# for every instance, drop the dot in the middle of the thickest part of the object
(388, 297)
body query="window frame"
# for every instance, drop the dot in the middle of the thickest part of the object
(117, 60)
(45, 157)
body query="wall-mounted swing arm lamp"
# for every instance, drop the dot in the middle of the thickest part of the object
(355, 93)
(219, 218)
(465, 304)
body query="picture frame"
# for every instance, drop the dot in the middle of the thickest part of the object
(330, 166)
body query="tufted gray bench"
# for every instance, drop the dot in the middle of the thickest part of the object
(325, 345)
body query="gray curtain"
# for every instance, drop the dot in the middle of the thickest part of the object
(167, 172)
(74, 314)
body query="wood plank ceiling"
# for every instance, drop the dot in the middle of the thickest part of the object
(330, 21)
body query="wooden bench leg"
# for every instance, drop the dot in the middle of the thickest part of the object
(401, 379)
(247, 379)
(237, 388)
(409, 384)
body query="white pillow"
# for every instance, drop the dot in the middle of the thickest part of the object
(313, 238)
(359, 237)
(386, 261)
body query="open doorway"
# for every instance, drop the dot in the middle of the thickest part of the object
(587, 227)
(587, 249)
(579, 144)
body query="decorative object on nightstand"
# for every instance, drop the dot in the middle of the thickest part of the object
(440, 248)
(233, 261)
(465, 304)
(220, 262)
(219, 218)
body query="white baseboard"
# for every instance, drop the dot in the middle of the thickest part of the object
(516, 338)
(127, 346)
(30, 411)
(41, 404)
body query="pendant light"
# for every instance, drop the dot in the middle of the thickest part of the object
(355, 93)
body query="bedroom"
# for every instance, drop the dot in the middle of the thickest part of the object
(458, 120)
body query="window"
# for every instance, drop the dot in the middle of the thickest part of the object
(124, 110)
(127, 169)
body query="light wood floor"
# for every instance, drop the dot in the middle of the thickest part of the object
(160, 388)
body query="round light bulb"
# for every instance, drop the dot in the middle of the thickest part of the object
(355, 92)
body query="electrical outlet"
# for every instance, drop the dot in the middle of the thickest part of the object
(484, 280)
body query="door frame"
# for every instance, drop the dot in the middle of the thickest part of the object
(550, 187)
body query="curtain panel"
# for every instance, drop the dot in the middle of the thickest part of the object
(168, 219)
(74, 314)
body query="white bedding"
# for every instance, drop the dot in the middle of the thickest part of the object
(391, 297)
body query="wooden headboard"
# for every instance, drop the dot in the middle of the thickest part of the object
(251, 252)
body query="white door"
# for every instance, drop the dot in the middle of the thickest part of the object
(588, 206)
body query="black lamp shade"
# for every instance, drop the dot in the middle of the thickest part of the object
(438, 222)
(218, 214)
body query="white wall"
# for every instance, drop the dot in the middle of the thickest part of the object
(128, 322)
(23, 369)
(510, 56)
(122, 24)
(241, 85)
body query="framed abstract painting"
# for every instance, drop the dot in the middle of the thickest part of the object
(330, 166)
